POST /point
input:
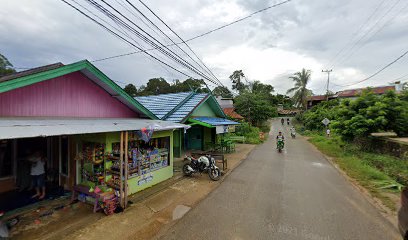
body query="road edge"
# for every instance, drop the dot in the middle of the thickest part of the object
(226, 174)
(385, 212)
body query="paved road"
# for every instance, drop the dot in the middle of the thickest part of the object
(292, 195)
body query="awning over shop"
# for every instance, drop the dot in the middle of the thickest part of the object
(212, 121)
(11, 128)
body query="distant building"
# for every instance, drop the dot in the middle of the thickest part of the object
(227, 106)
(352, 94)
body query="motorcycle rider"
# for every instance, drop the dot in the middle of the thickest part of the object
(293, 131)
(287, 119)
(283, 121)
(280, 137)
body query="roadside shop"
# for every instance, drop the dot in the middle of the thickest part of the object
(76, 118)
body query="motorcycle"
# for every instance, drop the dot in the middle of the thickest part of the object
(202, 164)
(280, 144)
(293, 134)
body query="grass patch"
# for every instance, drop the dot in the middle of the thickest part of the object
(250, 133)
(379, 174)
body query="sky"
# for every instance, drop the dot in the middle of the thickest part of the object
(354, 38)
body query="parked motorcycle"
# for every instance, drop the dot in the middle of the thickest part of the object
(280, 144)
(202, 164)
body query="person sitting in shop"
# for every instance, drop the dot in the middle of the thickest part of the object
(38, 174)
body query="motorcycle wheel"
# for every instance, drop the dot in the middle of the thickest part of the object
(186, 171)
(214, 174)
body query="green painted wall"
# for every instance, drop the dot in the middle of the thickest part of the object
(158, 175)
(204, 110)
(177, 142)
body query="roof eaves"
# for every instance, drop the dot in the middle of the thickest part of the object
(217, 105)
(41, 76)
(70, 68)
(191, 112)
(178, 106)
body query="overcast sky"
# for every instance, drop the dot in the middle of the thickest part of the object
(269, 46)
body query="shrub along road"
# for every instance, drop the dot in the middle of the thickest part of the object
(296, 194)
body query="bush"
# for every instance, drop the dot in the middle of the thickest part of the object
(394, 168)
(250, 133)
(266, 127)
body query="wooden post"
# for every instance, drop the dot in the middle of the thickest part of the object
(126, 168)
(121, 170)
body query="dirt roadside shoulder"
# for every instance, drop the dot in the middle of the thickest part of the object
(386, 212)
(157, 212)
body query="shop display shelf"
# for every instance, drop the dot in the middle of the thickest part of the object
(157, 168)
(113, 171)
(111, 185)
(133, 175)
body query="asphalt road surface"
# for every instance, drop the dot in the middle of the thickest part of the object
(295, 194)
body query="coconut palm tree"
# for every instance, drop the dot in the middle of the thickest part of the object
(300, 92)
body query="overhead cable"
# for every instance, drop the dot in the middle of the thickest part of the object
(377, 72)
(179, 38)
(146, 37)
(198, 36)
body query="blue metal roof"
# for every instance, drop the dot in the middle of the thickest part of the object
(187, 107)
(162, 104)
(176, 105)
(215, 121)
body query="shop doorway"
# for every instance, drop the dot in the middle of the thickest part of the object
(15, 178)
(195, 138)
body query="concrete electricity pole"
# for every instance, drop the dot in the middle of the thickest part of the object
(328, 81)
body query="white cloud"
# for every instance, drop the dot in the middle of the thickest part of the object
(265, 65)
(268, 47)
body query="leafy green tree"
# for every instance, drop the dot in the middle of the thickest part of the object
(155, 86)
(6, 67)
(300, 91)
(254, 107)
(312, 119)
(189, 84)
(131, 90)
(285, 100)
(222, 91)
(372, 113)
(261, 88)
(236, 78)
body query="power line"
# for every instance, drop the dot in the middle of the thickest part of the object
(399, 78)
(198, 36)
(205, 69)
(350, 52)
(211, 73)
(355, 33)
(379, 71)
(152, 41)
(124, 39)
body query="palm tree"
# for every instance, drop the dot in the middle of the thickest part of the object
(300, 91)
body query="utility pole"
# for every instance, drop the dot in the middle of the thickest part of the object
(328, 81)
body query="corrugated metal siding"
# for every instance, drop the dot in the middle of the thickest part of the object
(187, 107)
(162, 104)
(34, 127)
(72, 95)
(215, 121)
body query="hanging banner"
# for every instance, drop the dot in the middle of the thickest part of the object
(231, 128)
(221, 129)
(145, 134)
